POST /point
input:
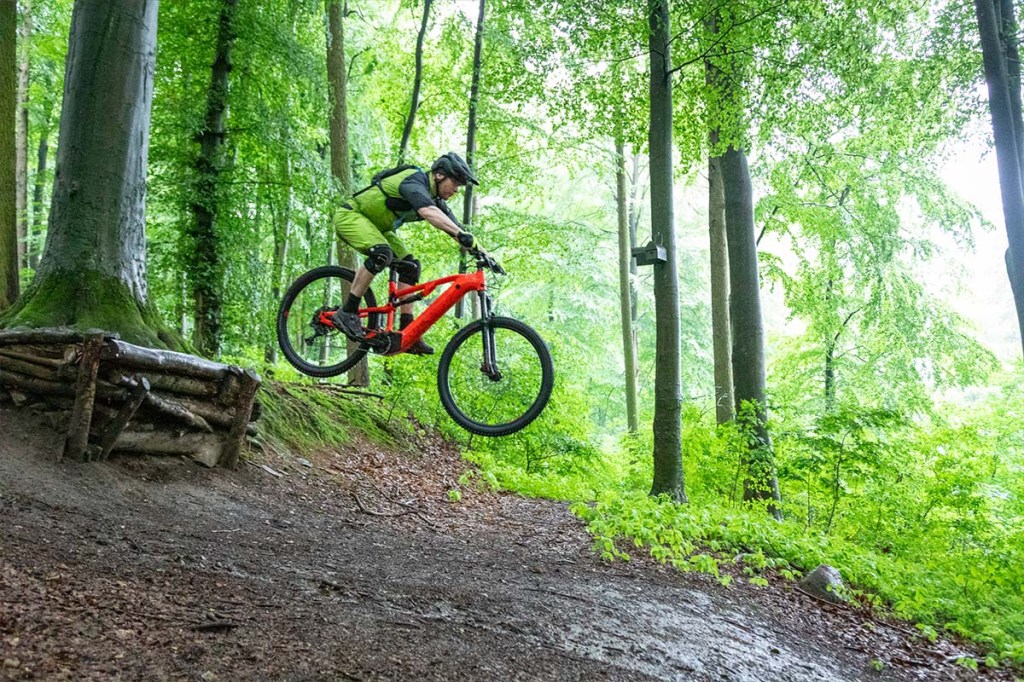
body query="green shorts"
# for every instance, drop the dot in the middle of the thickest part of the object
(357, 231)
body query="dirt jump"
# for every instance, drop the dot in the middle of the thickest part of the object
(356, 564)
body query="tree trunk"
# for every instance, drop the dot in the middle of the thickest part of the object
(206, 267)
(417, 81)
(1003, 93)
(668, 463)
(634, 223)
(474, 101)
(469, 198)
(21, 133)
(32, 249)
(721, 330)
(281, 218)
(625, 288)
(341, 167)
(8, 165)
(93, 271)
(748, 356)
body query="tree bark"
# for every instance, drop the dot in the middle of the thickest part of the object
(417, 82)
(668, 463)
(625, 288)
(341, 167)
(32, 242)
(721, 329)
(8, 166)
(206, 266)
(21, 133)
(469, 198)
(1003, 95)
(748, 356)
(93, 271)
(474, 101)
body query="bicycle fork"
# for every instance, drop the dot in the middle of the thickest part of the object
(490, 363)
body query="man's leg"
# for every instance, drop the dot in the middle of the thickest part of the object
(363, 236)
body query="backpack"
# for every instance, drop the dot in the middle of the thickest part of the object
(379, 177)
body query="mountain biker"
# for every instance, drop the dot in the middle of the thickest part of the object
(368, 222)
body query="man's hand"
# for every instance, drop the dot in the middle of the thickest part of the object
(468, 241)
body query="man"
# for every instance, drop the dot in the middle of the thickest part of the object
(368, 222)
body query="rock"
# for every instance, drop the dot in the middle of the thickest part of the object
(824, 582)
(19, 398)
(11, 663)
(304, 462)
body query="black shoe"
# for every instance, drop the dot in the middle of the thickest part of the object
(420, 348)
(349, 325)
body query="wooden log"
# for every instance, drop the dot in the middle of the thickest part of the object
(108, 437)
(166, 383)
(28, 368)
(85, 395)
(176, 411)
(163, 361)
(11, 354)
(203, 447)
(45, 387)
(214, 414)
(249, 384)
(51, 335)
(44, 351)
(230, 386)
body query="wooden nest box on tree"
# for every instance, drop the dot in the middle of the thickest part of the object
(126, 398)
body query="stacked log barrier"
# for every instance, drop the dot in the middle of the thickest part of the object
(126, 398)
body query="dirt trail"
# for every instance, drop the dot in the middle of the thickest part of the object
(358, 567)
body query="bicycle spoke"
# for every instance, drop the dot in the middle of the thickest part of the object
(486, 401)
(311, 345)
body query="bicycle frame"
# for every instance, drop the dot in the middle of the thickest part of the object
(459, 286)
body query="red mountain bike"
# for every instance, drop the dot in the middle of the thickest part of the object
(494, 376)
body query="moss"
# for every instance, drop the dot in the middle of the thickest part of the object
(89, 300)
(307, 417)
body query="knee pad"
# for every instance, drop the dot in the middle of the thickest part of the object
(378, 258)
(408, 270)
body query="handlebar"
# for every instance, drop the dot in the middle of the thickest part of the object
(485, 261)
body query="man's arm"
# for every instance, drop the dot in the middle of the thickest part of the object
(437, 218)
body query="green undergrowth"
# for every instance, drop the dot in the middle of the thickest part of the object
(923, 521)
(306, 417)
(923, 518)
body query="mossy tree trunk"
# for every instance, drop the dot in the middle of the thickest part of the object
(748, 355)
(668, 462)
(8, 213)
(93, 270)
(206, 267)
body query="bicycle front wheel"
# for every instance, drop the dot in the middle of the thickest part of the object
(499, 398)
(315, 348)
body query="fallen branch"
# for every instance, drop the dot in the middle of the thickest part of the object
(371, 512)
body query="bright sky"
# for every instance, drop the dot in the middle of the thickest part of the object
(984, 296)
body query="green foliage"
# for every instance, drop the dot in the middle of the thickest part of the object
(846, 109)
(309, 417)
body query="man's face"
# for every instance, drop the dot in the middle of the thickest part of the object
(446, 186)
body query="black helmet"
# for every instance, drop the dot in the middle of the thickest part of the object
(452, 165)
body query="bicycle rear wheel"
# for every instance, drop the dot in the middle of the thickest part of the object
(312, 347)
(495, 401)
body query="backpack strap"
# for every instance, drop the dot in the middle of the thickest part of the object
(381, 176)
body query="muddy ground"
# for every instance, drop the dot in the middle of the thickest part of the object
(359, 566)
